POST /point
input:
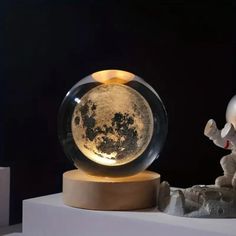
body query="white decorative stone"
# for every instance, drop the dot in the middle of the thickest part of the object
(48, 216)
(4, 195)
(199, 201)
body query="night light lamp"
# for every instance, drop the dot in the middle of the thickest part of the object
(112, 126)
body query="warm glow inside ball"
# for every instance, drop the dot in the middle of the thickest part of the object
(112, 123)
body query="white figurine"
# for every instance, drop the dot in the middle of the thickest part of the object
(208, 201)
(225, 138)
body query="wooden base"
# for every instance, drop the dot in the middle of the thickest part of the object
(108, 193)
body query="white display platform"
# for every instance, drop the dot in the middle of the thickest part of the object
(4, 195)
(47, 216)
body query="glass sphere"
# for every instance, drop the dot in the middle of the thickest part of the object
(112, 123)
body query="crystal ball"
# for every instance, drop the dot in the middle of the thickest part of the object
(112, 123)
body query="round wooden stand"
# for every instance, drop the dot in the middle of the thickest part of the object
(108, 193)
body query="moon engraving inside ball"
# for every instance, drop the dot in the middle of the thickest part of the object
(112, 124)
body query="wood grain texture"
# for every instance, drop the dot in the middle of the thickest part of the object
(105, 193)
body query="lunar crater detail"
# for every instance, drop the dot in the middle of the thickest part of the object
(112, 124)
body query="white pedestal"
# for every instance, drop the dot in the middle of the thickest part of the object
(47, 216)
(4, 195)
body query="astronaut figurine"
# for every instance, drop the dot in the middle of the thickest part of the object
(225, 138)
